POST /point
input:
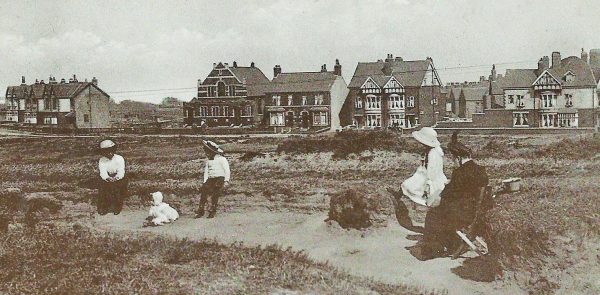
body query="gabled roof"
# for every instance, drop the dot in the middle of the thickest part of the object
(62, 90)
(583, 73)
(596, 72)
(256, 81)
(303, 82)
(408, 73)
(474, 93)
(549, 73)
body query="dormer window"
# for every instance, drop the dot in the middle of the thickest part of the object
(569, 76)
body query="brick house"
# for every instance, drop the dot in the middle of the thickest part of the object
(394, 93)
(467, 98)
(306, 100)
(561, 95)
(230, 95)
(72, 104)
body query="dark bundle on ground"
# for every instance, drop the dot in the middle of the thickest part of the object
(358, 208)
(345, 143)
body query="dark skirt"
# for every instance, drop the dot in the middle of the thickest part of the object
(111, 196)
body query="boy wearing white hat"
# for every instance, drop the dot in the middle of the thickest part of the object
(216, 178)
(113, 185)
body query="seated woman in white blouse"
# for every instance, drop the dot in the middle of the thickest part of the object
(113, 185)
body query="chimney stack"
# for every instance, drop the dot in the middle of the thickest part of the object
(390, 57)
(252, 64)
(235, 64)
(95, 81)
(23, 80)
(75, 78)
(62, 81)
(595, 58)
(37, 81)
(543, 64)
(494, 76)
(214, 65)
(276, 70)
(584, 56)
(555, 59)
(399, 58)
(337, 69)
(324, 68)
(481, 79)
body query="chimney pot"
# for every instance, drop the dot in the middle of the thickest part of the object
(22, 80)
(337, 69)
(62, 81)
(324, 68)
(252, 64)
(95, 81)
(235, 64)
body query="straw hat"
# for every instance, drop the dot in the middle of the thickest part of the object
(106, 144)
(426, 136)
(212, 146)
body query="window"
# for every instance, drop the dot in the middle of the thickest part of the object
(373, 102)
(215, 111)
(569, 100)
(304, 101)
(211, 91)
(448, 107)
(548, 100)
(511, 99)
(86, 118)
(259, 103)
(290, 100)
(248, 111)
(396, 120)
(221, 89)
(520, 119)
(225, 111)
(411, 121)
(319, 99)
(549, 120)
(276, 100)
(411, 102)
(358, 103)
(203, 111)
(277, 119)
(396, 102)
(520, 101)
(54, 121)
(231, 90)
(568, 120)
(320, 118)
(373, 121)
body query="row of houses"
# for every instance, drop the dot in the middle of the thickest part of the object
(559, 93)
(387, 93)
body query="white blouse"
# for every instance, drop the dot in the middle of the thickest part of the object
(218, 167)
(114, 167)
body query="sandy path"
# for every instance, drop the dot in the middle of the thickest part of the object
(379, 253)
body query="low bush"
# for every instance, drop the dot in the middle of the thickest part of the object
(343, 144)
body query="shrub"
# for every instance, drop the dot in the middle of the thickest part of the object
(345, 143)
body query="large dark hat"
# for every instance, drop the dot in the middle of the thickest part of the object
(212, 146)
(458, 149)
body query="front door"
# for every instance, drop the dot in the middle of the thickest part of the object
(305, 119)
(289, 119)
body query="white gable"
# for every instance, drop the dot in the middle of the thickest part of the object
(370, 86)
(546, 81)
(393, 85)
(431, 77)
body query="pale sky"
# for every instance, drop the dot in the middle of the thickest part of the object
(149, 45)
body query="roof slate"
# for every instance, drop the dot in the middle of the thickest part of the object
(302, 82)
(408, 73)
(474, 93)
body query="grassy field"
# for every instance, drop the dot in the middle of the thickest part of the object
(545, 236)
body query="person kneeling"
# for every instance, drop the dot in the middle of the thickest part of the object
(160, 213)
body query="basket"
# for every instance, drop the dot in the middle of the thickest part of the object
(512, 184)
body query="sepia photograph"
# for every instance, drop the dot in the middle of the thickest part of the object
(300, 147)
